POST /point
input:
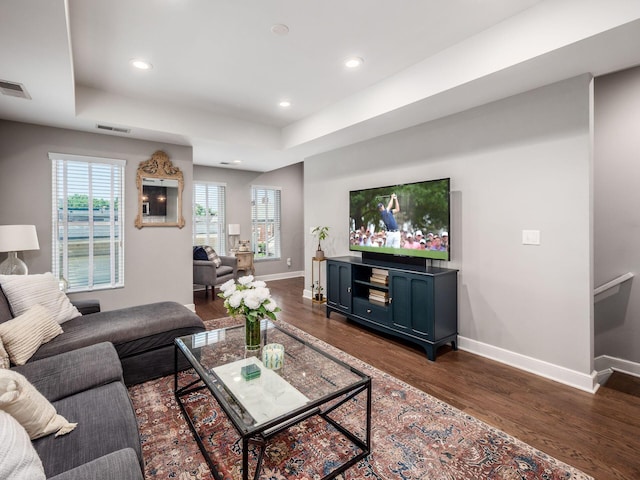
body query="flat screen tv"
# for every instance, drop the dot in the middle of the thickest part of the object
(407, 220)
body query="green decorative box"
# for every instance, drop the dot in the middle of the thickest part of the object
(249, 372)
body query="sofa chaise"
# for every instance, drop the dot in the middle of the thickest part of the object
(142, 335)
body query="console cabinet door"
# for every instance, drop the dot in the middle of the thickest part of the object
(339, 285)
(412, 304)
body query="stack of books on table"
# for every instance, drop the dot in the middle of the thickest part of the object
(378, 296)
(379, 276)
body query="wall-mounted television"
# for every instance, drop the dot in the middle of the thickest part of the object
(408, 220)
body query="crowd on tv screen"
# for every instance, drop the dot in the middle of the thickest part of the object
(410, 239)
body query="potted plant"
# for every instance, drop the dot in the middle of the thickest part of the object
(322, 233)
(317, 288)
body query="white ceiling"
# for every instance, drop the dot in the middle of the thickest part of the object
(219, 72)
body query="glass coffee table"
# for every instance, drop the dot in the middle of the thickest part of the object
(310, 383)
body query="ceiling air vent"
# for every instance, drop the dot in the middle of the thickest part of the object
(113, 129)
(14, 89)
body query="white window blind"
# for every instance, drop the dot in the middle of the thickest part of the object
(87, 221)
(209, 216)
(265, 222)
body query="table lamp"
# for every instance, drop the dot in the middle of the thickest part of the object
(234, 231)
(14, 239)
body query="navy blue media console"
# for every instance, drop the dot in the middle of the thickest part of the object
(420, 306)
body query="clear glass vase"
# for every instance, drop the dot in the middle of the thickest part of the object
(252, 334)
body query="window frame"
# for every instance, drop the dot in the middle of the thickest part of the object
(276, 222)
(221, 247)
(60, 189)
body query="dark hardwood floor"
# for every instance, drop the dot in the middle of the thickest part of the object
(599, 434)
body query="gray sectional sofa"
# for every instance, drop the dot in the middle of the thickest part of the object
(86, 386)
(84, 373)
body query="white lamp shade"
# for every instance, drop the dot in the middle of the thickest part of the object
(17, 238)
(234, 229)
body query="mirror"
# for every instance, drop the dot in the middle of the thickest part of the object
(160, 187)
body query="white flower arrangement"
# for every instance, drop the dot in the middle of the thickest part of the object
(248, 297)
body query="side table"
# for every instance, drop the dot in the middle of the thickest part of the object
(245, 262)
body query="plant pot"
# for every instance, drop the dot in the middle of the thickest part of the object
(320, 254)
(319, 296)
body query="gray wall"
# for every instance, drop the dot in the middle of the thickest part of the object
(516, 164)
(238, 210)
(617, 213)
(158, 261)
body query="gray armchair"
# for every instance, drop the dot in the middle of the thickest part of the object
(205, 273)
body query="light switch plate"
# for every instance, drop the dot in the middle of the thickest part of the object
(531, 237)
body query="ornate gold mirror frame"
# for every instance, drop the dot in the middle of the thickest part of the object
(160, 186)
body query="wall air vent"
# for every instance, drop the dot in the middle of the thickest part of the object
(113, 129)
(14, 89)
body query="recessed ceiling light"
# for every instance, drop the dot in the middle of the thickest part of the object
(280, 29)
(285, 103)
(140, 64)
(237, 162)
(353, 62)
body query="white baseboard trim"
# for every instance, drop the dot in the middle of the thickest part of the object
(281, 276)
(606, 365)
(264, 278)
(575, 379)
(192, 307)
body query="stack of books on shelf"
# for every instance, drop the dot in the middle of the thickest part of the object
(378, 296)
(379, 276)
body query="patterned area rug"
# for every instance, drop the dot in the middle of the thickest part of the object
(414, 436)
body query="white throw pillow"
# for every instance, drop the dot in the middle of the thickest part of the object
(29, 407)
(4, 356)
(23, 335)
(25, 291)
(18, 459)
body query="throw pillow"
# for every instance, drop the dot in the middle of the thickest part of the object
(23, 335)
(199, 253)
(4, 356)
(28, 406)
(25, 291)
(18, 459)
(212, 256)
